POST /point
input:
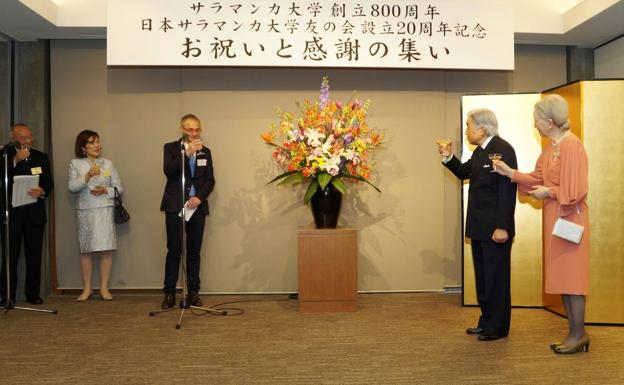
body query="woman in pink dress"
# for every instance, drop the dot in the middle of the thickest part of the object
(560, 180)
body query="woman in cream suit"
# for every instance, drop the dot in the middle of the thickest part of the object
(93, 179)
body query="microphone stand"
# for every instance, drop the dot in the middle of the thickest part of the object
(184, 304)
(9, 304)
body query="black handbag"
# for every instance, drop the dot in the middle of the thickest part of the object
(121, 214)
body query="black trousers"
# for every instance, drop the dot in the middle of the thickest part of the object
(492, 266)
(20, 229)
(194, 236)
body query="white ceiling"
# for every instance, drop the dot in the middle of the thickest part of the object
(583, 23)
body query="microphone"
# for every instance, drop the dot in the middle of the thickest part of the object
(184, 138)
(11, 143)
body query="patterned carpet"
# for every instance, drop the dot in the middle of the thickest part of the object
(415, 338)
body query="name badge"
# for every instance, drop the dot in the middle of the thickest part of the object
(106, 173)
(201, 162)
(36, 171)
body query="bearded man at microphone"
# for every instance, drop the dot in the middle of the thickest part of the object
(198, 184)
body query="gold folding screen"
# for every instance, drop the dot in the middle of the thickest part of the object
(598, 119)
(602, 130)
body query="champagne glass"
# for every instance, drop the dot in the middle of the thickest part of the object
(443, 144)
(96, 165)
(24, 146)
(200, 151)
(494, 157)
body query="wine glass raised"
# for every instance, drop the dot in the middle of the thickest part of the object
(494, 157)
(443, 144)
(24, 146)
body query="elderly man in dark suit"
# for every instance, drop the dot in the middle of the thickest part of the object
(27, 222)
(199, 183)
(489, 222)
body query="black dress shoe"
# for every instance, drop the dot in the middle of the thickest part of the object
(194, 300)
(487, 336)
(168, 302)
(35, 301)
(474, 331)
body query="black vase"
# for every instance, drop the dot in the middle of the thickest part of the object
(326, 206)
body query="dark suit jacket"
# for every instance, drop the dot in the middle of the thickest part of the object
(203, 180)
(491, 197)
(37, 163)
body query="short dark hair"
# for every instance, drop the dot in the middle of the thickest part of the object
(81, 141)
(189, 116)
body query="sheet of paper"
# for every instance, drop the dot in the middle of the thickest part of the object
(21, 185)
(188, 213)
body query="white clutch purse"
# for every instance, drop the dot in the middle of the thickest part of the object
(567, 230)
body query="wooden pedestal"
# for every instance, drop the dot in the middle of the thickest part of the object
(327, 269)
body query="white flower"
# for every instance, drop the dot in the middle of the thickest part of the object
(314, 137)
(331, 165)
(294, 134)
(349, 154)
(326, 147)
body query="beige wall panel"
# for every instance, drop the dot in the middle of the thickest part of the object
(453, 236)
(85, 95)
(538, 68)
(253, 226)
(609, 60)
(250, 238)
(603, 137)
(515, 124)
(408, 235)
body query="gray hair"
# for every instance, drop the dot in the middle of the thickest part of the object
(555, 108)
(482, 117)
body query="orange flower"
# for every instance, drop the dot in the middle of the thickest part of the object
(376, 139)
(267, 137)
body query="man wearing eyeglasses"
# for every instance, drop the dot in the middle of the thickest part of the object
(198, 184)
(26, 222)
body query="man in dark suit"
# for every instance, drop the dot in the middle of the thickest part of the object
(489, 221)
(199, 183)
(25, 222)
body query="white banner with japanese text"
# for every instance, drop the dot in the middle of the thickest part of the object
(453, 34)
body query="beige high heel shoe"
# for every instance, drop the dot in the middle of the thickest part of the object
(83, 298)
(106, 297)
(581, 346)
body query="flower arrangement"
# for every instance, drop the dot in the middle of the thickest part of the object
(328, 143)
